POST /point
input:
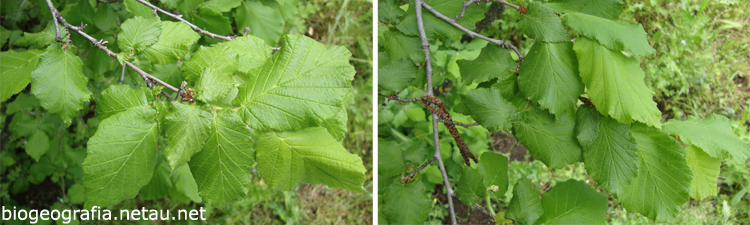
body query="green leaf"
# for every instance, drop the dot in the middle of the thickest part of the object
(187, 129)
(396, 76)
(309, 155)
(15, 71)
(120, 98)
(471, 186)
(609, 150)
(213, 86)
(121, 157)
(139, 33)
(389, 12)
(174, 42)
(219, 57)
(59, 84)
(210, 20)
(106, 19)
(416, 153)
(184, 189)
(184, 6)
(573, 202)
(390, 158)
(493, 62)
(489, 108)
(252, 52)
(615, 84)
(80, 12)
(526, 206)
(551, 141)
(222, 5)
(76, 193)
(300, 86)
(37, 145)
(615, 35)
(541, 24)
(706, 171)
(46, 37)
(264, 22)
(494, 166)
(170, 73)
(406, 203)
(221, 169)
(437, 28)
(549, 75)
(663, 182)
(399, 46)
(160, 183)
(137, 9)
(608, 9)
(719, 143)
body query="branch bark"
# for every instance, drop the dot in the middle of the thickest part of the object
(435, 137)
(458, 123)
(52, 8)
(473, 34)
(100, 44)
(411, 175)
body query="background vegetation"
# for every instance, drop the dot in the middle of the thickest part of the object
(701, 66)
(29, 184)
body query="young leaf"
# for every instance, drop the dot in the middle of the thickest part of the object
(37, 145)
(390, 159)
(615, 84)
(663, 181)
(300, 86)
(720, 143)
(608, 9)
(187, 130)
(213, 86)
(264, 22)
(489, 108)
(221, 169)
(471, 186)
(615, 35)
(493, 62)
(174, 42)
(609, 150)
(494, 166)
(120, 98)
(406, 203)
(252, 52)
(706, 171)
(396, 76)
(309, 155)
(549, 140)
(437, 28)
(573, 202)
(541, 24)
(139, 33)
(45, 37)
(219, 57)
(526, 206)
(121, 157)
(59, 83)
(15, 71)
(549, 75)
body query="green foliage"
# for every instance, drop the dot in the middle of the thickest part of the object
(103, 143)
(566, 102)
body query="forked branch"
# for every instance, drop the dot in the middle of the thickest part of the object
(195, 28)
(411, 175)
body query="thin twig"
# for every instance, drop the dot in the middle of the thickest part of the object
(435, 137)
(411, 175)
(517, 8)
(122, 75)
(466, 5)
(100, 44)
(395, 97)
(477, 207)
(458, 123)
(473, 34)
(195, 28)
(168, 96)
(52, 9)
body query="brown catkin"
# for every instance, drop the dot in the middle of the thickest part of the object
(442, 112)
